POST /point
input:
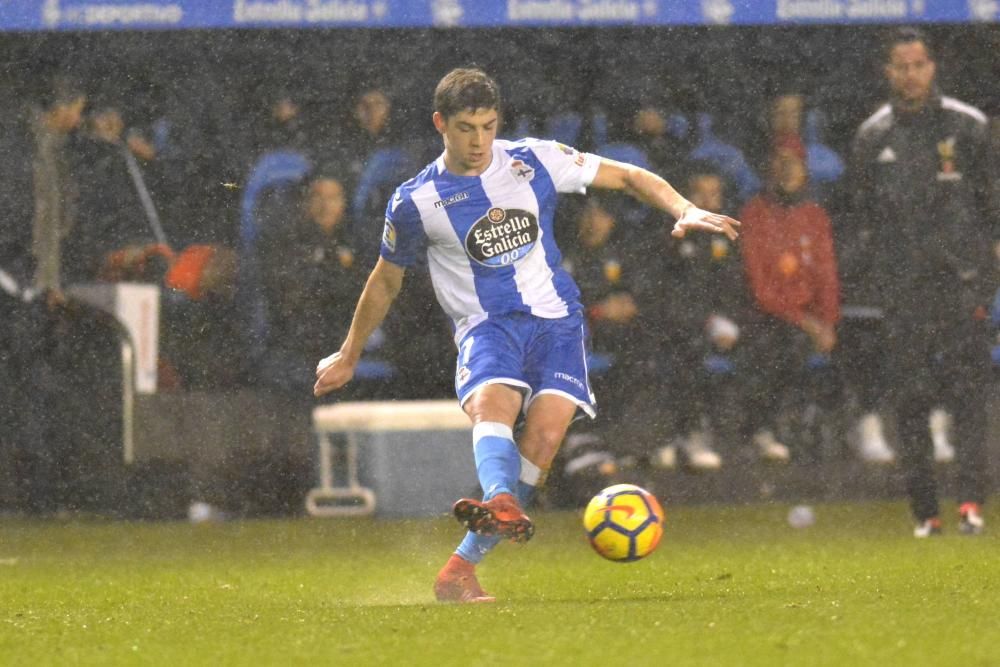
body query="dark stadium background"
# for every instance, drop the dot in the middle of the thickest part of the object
(239, 449)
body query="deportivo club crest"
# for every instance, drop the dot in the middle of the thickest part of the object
(521, 172)
(502, 236)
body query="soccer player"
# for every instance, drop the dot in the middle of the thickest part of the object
(483, 212)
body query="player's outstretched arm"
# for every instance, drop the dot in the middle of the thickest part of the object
(651, 189)
(380, 291)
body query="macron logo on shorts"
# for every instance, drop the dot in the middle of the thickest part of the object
(569, 378)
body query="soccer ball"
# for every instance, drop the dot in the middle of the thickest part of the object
(624, 522)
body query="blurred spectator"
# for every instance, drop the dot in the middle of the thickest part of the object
(696, 285)
(111, 186)
(375, 162)
(378, 160)
(120, 238)
(54, 187)
(792, 274)
(370, 129)
(665, 150)
(284, 123)
(309, 274)
(725, 157)
(200, 156)
(70, 430)
(786, 118)
(603, 270)
(633, 130)
(924, 225)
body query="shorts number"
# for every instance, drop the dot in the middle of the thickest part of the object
(467, 349)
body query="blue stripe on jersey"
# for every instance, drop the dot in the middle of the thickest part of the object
(545, 193)
(413, 242)
(495, 287)
(411, 238)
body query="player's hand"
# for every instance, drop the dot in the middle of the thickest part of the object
(332, 373)
(696, 219)
(824, 336)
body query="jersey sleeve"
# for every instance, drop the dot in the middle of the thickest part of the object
(403, 236)
(570, 170)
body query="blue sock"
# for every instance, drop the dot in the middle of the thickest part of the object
(474, 547)
(525, 492)
(498, 462)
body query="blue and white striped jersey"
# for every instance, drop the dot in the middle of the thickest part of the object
(489, 238)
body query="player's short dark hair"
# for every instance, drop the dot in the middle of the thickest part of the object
(466, 89)
(904, 35)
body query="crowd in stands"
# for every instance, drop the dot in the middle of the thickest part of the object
(261, 231)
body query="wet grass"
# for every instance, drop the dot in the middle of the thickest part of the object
(728, 586)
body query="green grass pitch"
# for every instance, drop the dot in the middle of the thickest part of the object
(727, 586)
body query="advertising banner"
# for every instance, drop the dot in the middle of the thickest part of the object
(35, 15)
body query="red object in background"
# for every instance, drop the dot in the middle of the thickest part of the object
(776, 237)
(188, 268)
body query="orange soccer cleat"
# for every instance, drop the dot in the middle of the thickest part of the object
(501, 515)
(456, 582)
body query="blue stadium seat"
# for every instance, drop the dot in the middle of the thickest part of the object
(564, 127)
(825, 166)
(718, 364)
(385, 168)
(273, 171)
(727, 158)
(599, 363)
(276, 169)
(818, 361)
(599, 128)
(678, 126)
(519, 130)
(624, 152)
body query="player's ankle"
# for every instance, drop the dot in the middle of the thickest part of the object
(457, 562)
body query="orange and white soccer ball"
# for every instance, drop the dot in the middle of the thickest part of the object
(624, 522)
